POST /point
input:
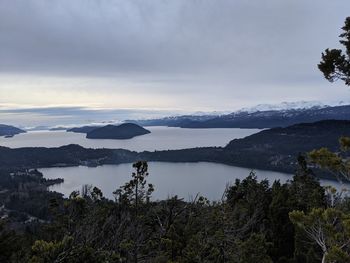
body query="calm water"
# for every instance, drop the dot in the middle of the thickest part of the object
(183, 179)
(160, 138)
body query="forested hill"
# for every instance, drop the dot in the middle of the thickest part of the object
(255, 119)
(296, 138)
(120, 132)
(274, 149)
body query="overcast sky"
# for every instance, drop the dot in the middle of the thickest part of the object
(157, 54)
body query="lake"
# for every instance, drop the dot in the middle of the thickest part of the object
(182, 179)
(160, 138)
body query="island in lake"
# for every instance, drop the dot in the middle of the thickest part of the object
(120, 132)
(9, 131)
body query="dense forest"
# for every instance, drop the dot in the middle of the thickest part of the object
(255, 221)
(298, 221)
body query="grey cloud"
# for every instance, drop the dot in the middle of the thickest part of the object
(75, 115)
(186, 36)
(194, 43)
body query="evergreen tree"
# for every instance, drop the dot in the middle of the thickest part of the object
(335, 63)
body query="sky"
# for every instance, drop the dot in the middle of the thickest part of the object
(112, 56)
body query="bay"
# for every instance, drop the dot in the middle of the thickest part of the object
(183, 179)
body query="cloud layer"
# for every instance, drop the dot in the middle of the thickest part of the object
(185, 54)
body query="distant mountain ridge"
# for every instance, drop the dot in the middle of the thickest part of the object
(8, 130)
(83, 129)
(256, 119)
(296, 105)
(172, 121)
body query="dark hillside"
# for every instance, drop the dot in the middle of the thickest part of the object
(123, 131)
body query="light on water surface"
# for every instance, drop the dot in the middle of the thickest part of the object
(183, 179)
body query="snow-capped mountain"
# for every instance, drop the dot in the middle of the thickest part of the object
(281, 115)
(285, 106)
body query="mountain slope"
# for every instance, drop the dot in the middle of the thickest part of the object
(296, 138)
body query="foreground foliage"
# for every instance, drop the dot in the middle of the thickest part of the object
(250, 224)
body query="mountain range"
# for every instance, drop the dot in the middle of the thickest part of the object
(254, 119)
